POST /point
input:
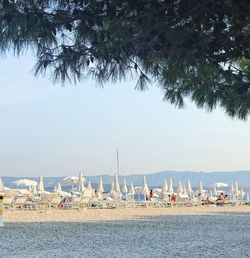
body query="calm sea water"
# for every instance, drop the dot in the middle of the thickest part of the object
(225, 235)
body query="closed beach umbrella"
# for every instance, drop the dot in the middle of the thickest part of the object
(124, 187)
(89, 187)
(117, 184)
(165, 186)
(215, 191)
(131, 188)
(180, 188)
(184, 191)
(112, 187)
(189, 187)
(236, 188)
(40, 187)
(34, 190)
(81, 187)
(232, 190)
(145, 186)
(201, 190)
(100, 188)
(211, 193)
(171, 190)
(59, 187)
(1, 185)
(242, 193)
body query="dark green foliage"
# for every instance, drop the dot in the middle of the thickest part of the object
(191, 48)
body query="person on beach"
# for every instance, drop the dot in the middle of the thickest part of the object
(151, 195)
(174, 198)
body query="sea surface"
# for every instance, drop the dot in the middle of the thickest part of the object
(222, 235)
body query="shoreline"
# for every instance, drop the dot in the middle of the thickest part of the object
(117, 214)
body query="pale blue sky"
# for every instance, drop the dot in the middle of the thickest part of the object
(63, 130)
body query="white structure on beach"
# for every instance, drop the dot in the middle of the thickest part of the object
(144, 187)
(124, 187)
(189, 187)
(179, 188)
(112, 187)
(171, 190)
(116, 184)
(131, 188)
(165, 186)
(40, 187)
(100, 188)
(201, 190)
(2, 189)
(81, 186)
(89, 187)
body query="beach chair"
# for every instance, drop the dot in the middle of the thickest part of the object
(11, 193)
(43, 202)
(8, 202)
(75, 204)
(19, 203)
(55, 202)
(88, 193)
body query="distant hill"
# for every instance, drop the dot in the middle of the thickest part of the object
(156, 179)
(207, 178)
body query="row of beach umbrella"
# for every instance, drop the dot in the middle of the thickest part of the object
(167, 187)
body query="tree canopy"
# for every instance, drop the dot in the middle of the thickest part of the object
(191, 48)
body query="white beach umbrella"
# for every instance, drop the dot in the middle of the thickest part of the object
(116, 184)
(25, 182)
(201, 190)
(100, 188)
(64, 194)
(232, 190)
(2, 189)
(112, 187)
(89, 187)
(220, 185)
(34, 190)
(242, 193)
(180, 188)
(165, 186)
(40, 187)
(131, 188)
(171, 190)
(189, 187)
(236, 189)
(59, 187)
(81, 187)
(215, 191)
(124, 187)
(211, 193)
(145, 186)
(70, 180)
(184, 191)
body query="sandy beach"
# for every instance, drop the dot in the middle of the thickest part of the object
(114, 214)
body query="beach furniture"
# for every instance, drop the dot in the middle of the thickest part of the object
(55, 202)
(19, 203)
(12, 192)
(8, 202)
(44, 201)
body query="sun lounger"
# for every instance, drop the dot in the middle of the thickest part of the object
(19, 203)
(8, 202)
(55, 202)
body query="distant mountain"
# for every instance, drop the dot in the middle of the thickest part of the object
(207, 178)
(156, 179)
